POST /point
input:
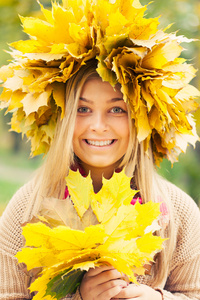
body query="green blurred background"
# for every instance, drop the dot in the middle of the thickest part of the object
(16, 167)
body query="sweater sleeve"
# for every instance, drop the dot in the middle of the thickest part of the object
(183, 282)
(13, 281)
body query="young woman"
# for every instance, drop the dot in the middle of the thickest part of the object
(129, 117)
(98, 136)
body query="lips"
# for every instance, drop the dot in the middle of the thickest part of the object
(99, 143)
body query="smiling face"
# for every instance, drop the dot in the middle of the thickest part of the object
(101, 134)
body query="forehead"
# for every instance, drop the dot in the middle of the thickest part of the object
(98, 88)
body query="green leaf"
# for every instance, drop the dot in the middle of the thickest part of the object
(64, 283)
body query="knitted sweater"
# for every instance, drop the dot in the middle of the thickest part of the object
(183, 280)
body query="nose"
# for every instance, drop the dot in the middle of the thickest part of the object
(99, 123)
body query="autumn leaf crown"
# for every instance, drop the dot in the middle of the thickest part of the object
(129, 49)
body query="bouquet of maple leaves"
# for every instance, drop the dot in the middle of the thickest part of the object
(88, 230)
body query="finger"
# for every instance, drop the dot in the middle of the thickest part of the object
(110, 293)
(111, 284)
(97, 270)
(102, 289)
(131, 291)
(103, 277)
(112, 287)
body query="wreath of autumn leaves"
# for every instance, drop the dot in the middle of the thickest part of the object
(129, 49)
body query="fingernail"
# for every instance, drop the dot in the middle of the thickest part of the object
(124, 285)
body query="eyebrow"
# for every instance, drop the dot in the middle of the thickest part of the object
(111, 100)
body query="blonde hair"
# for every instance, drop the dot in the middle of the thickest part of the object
(50, 180)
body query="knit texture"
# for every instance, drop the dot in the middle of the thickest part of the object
(183, 280)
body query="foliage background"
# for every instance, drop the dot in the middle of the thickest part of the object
(16, 167)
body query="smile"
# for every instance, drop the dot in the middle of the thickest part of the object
(100, 143)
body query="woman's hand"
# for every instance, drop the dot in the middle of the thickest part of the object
(139, 292)
(102, 283)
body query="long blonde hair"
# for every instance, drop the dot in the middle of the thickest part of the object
(50, 180)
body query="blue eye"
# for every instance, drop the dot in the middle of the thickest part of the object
(117, 110)
(83, 109)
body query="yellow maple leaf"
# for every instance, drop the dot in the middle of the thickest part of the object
(114, 193)
(80, 189)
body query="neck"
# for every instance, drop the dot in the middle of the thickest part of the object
(96, 180)
(97, 175)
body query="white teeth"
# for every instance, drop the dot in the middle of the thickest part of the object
(99, 143)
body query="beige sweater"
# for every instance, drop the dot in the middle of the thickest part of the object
(182, 283)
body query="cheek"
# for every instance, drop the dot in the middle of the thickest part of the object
(77, 128)
(125, 135)
(123, 129)
(81, 124)
(75, 137)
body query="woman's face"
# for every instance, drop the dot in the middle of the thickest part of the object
(101, 132)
